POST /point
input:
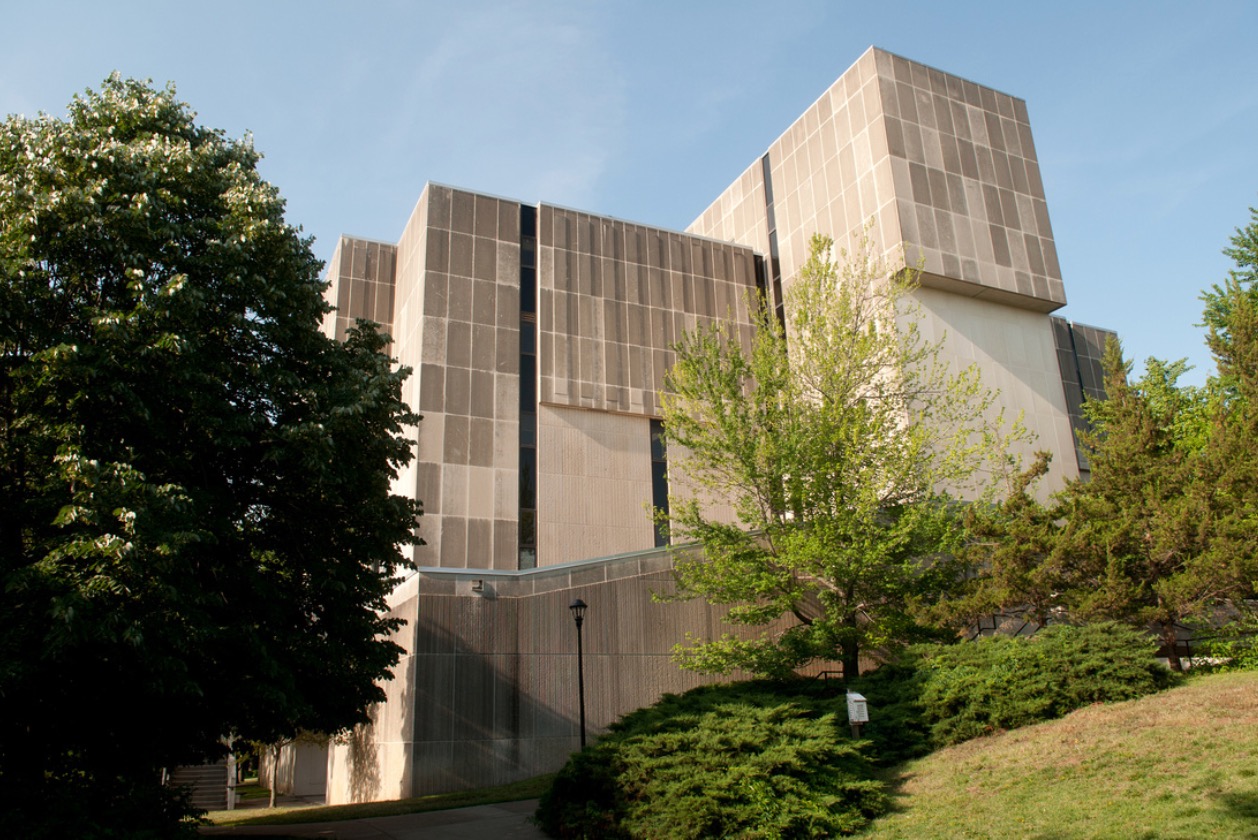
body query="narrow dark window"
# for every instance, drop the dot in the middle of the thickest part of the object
(762, 279)
(528, 388)
(776, 299)
(659, 478)
(528, 375)
(528, 478)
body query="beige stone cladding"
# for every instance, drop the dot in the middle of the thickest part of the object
(594, 484)
(941, 171)
(360, 285)
(1015, 351)
(614, 297)
(459, 293)
(944, 169)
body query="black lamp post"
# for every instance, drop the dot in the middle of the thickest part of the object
(578, 615)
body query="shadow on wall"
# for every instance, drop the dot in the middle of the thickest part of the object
(364, 761)
(496, 677)
(479, 719)
(371, 762)
(489, 695)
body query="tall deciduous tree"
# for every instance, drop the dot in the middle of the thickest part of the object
(833, 443)
(196, 528)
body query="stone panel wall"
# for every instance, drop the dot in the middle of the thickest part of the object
(373, 761)
(594, 484)
(460, 283)
(943, 168)
(1080, 349)
(360, 278)
(615, 296)
(945, 171)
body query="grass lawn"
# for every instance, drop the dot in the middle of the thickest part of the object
(528, 789)
(1180, 764)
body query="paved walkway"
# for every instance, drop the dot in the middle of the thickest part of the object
(505, 820)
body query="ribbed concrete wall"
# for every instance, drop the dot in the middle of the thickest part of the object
(207, 784)
(491, 675)
(496, 672)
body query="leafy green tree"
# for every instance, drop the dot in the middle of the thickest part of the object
(196, 528)
(833, 443)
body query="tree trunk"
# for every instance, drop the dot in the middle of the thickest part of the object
(275, 771)
(1171, 641)
(849, 651)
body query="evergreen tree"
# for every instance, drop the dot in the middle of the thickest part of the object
(1166, 531)
(1014, 552)
(1142, 531)
(1232, 316)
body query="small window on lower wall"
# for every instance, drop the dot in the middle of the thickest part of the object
(659, 479)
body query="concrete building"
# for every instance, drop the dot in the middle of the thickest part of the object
(539, 337)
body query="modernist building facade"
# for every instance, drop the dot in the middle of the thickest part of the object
(539, 338)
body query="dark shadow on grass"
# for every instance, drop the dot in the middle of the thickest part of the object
(897, 799)
(1243, 806)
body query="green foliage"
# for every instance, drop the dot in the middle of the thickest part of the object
(1014, 548)
(1137, 535)
(1220, 300)
(771, 758)
(831, 441)
(196, 529)
(935, 695)
(1164, 533)
(1001, 683)
(1236, 647)
(1156, 537)
(746, 760)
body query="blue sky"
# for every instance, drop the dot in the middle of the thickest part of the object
(1145, 114)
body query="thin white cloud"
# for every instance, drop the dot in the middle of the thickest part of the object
(504, 101)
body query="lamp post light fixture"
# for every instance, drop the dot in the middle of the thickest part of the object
(578, 608)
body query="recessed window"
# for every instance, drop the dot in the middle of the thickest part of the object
(528, 389)
(659, 478)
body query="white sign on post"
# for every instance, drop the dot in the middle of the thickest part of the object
(857, 711)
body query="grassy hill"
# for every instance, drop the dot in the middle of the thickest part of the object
(1180, 764)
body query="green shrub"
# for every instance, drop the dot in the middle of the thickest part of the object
(772, 759)
(897, 730)
(943, 694)
(753, 760)
(1236, 645)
